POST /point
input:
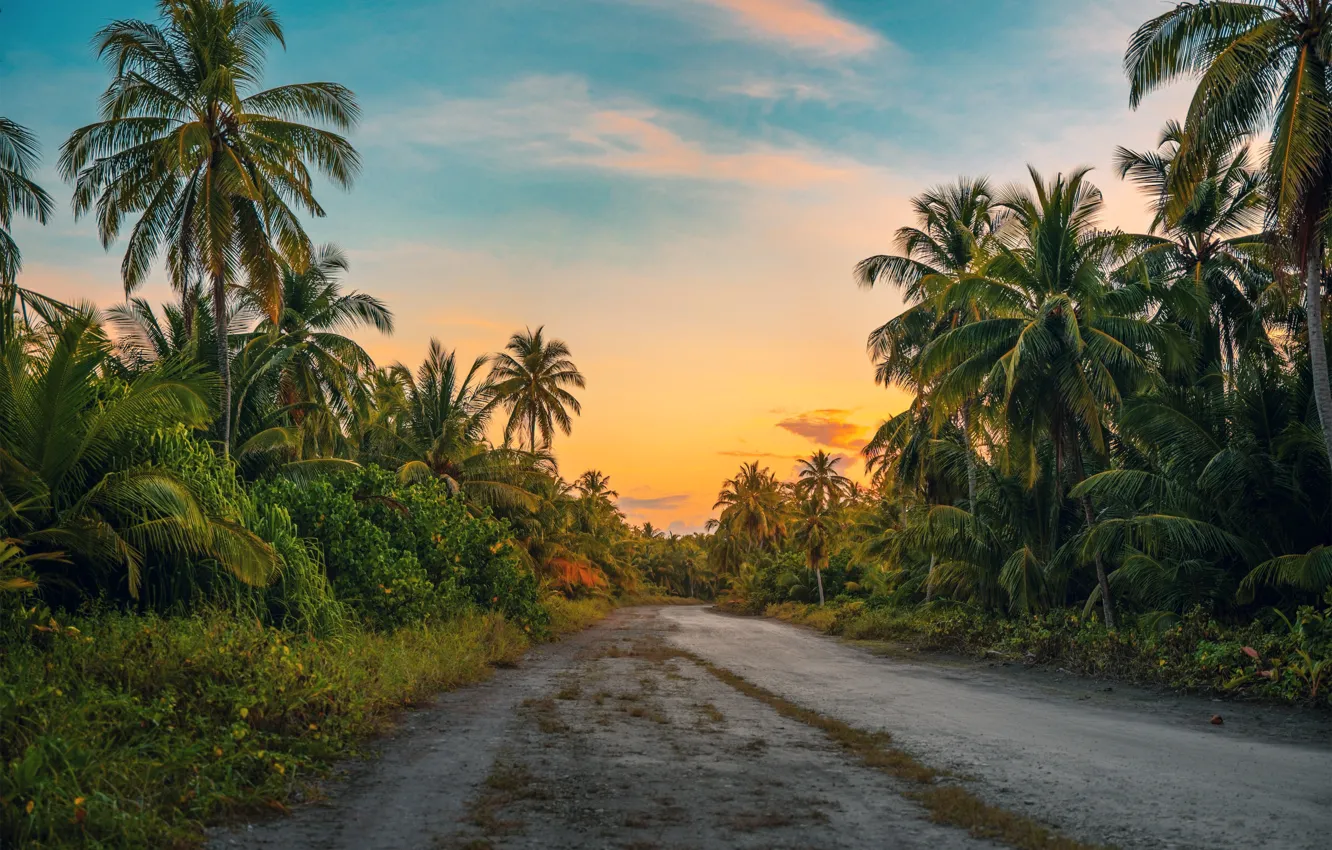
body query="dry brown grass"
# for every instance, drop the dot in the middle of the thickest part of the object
(547, 716)
(569, 692)
(506, 785)
(754, 821)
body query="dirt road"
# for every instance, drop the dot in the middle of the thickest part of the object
(595, 742)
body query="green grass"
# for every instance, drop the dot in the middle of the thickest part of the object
(136, 731)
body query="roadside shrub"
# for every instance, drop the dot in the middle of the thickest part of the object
(1290, 661)
(299, 596)
(408, 553)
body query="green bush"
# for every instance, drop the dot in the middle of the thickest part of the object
(407, 553)
(299, 596)
(1289, 661)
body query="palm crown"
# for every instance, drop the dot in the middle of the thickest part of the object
(18, 194)
(531, 376)
(215, 171)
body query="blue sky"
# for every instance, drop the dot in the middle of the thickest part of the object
(678, 188)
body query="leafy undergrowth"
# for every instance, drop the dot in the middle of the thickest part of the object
(1290, 662)
(134, 731)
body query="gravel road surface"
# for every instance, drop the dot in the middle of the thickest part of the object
(591, 744)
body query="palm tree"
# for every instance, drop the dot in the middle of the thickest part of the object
(321, 367)
(70, 432)
(18, 194)
(531, 376)
(214, 170)
(441, 431)
(184, 331)
(816, 524)
(1202, 241)
(819, 479)
(1059, 345)
(956, 231)
(594, 484)
(1261, 64)
(751, 506)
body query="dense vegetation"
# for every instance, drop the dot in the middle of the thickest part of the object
(1135, 424)
(233, 544)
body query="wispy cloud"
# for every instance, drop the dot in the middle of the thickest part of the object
(826, 428)
(774, 89)
(659, 503)
(755, 455)
(554, 121)
(803, 24)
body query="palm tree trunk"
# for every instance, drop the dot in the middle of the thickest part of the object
(929, 579)
(532, 439)
(971, 457)
(223, 357)
(1102, 581)
(818, 574)
(1313, 306)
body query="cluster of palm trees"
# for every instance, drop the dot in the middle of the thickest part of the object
(760, 514)
(1140, 421)
(193, 161)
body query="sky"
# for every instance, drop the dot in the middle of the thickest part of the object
(679, 189)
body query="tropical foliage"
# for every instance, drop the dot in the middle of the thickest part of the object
(226, 492)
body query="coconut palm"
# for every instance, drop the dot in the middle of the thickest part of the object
(818, 478)
(184, 331)
(594, 484)
(215, 171)
(441, 431)
(957, 228)
(752, 508)
(1059, 345)
(316, 319)
(816, 524)
(18, 194)
(1202, 241)
(1260, 64)
(70, 433)
(531, 377)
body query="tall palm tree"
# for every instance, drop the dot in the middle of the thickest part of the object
(956, 230)
(819, 479)
(326, 365)
(752, 507)
(531, 376)
(18, 194)
(1059, 345)
(184, 331)
(816, 523)
(595, 484)
(1202, 241)
(214, 170)
(1261, 64)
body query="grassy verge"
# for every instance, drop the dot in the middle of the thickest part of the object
(1290, 663)
(135, 731)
